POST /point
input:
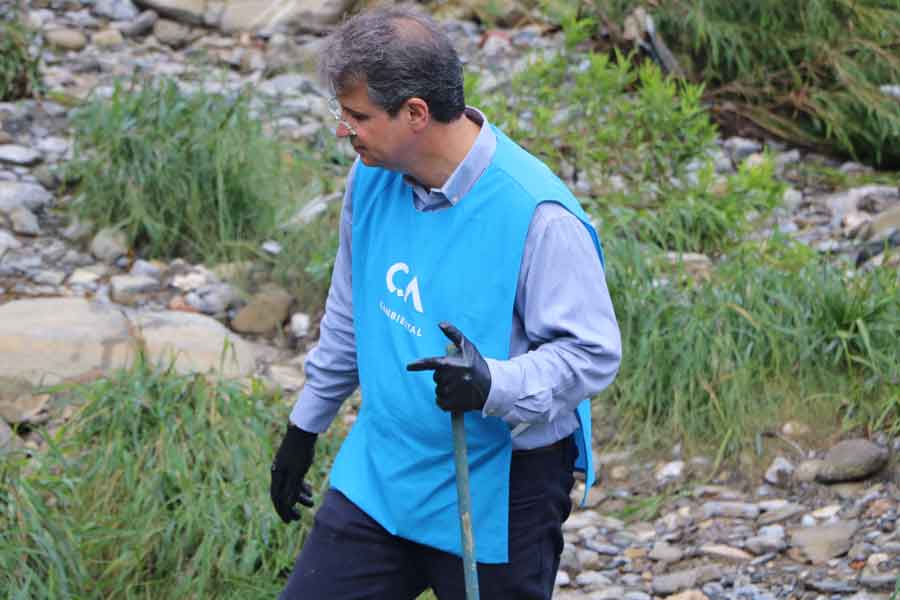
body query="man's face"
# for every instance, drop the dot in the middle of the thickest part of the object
(380, 140)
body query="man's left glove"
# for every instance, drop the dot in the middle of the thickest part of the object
(292, 461)
(463, 378)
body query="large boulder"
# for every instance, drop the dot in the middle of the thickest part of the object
(261, 15)
(852, 460)
(49, 340)
(186, 11)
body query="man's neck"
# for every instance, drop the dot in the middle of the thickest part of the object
(444, 146)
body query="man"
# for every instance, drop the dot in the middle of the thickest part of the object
(450, 233)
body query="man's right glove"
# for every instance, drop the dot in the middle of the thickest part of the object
(292, 461)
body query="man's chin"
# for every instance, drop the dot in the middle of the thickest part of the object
(366, 159)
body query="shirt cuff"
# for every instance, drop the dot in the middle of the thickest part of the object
(311, 412)
(505, 387)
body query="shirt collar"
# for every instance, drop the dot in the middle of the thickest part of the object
(468, 171)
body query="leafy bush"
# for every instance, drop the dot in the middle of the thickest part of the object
(708, 216)
(158, 488)
(20, 75)
(608, 119)
(810, 72)
(602, 117)
(190, 175)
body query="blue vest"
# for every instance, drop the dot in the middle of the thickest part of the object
(410, 271)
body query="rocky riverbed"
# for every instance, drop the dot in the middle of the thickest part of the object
(74, 303)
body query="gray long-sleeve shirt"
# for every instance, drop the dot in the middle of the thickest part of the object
(564, 345)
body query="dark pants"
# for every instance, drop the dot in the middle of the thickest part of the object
(348, 556)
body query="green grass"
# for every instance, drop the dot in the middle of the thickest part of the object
(712, 361)
(20, 68)
(806, 71)
(184, 175)
(158, 488)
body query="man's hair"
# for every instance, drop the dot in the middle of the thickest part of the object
(399, 53)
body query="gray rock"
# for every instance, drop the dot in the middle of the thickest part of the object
(288, 377)
(272, 15)
(77, 230)
(883, 225)
(19, 402)
(117, 10)
(186, 11)
(23, 221)
(213, 298)
(49, 340)
(19, 155)
(54, 278)
(738, 510)
(108, 38)
(807, 471)
(724, 552)
(289, 84)
(666, 552)
(300, 324)
(824, 542)
(779, 472)
(109, 244)
(84, 278)
(265, 312)
(671, 583)
(28, 195)
(591, 579)
(740, 148)
(852, 460)
(142, 25)
(127, 289)
(615, 592)
(53, 145)
(8, 242)
(843, 202)
(602, 548)
(670, 472)
(146, 269)
(172, 33)
(46, 176)
(763, 544)
(74, 258)
(66, 39)
(883, 581)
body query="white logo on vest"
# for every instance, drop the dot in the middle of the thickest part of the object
(411, 289)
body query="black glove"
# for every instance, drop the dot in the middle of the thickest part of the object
(292, 461)
(463, 378)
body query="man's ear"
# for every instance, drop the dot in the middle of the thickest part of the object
(416, 111)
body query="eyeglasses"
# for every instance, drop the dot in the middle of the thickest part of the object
(334, 107)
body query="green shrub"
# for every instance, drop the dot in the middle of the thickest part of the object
(769, 331)
(184, 175)
(601, 116)
(20, 75)
(158, 488)
(809, 72)
(708, 216)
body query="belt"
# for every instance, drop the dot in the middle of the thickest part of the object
(556, 446)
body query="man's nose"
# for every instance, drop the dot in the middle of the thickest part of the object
(343, 131)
